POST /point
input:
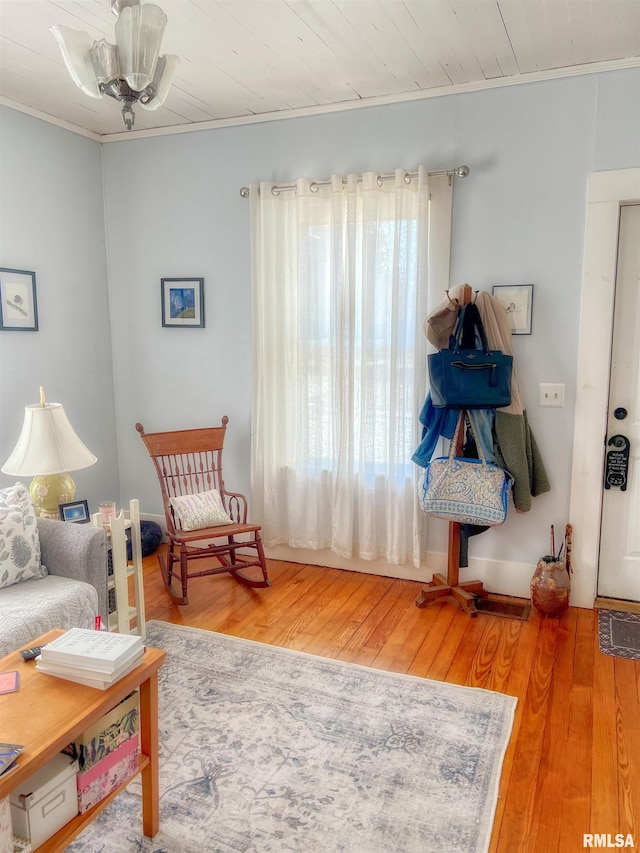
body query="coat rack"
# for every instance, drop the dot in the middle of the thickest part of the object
(450, 587)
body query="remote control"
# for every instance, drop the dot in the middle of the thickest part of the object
(30, 654)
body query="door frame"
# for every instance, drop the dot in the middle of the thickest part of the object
(607, 191)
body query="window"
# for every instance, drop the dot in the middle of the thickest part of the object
(339, 297)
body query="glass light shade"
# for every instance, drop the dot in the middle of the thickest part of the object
(75, 46)
(162, 80)
(48, 444)
(139, 31)
(104, 59)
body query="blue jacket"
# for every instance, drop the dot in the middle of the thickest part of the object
(438, 422)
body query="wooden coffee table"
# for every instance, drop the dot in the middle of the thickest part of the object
(47, 713)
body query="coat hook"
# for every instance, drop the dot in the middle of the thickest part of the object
(453, 302)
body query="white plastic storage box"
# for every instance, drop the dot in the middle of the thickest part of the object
(45, 801)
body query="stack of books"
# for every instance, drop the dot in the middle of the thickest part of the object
(94, 658)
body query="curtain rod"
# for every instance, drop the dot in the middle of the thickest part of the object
(458, 172)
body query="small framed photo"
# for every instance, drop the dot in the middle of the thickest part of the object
(18, 306)
(76, 511)
(182, 302)
(518, 300)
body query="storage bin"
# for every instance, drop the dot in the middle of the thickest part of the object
(107, 733)
(45, 801)
(106, 775)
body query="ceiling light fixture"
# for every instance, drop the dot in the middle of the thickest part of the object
(129, 70)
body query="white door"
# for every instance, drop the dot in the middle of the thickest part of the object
(619, 563)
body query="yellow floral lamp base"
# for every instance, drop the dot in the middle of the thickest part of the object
(48, 491)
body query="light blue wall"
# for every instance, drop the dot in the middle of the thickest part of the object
(172, 208)
(52, 222)
(617, 129)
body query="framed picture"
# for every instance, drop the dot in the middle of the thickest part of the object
(183, 302)
(76, 511)
(518, 300)
(18, 306)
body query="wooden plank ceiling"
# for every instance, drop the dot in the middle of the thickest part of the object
(246, 58)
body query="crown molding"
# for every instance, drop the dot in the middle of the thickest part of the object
(345, 106)
(58, 122)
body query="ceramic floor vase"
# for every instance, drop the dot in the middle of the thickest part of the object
(550, 587)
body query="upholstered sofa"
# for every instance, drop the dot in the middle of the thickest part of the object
(68, 590)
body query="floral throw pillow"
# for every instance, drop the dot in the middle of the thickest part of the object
(19, 539)
(205, 509)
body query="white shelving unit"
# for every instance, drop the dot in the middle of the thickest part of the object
(124, 614)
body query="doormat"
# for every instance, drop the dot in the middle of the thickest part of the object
(511, 608)
(619, 633)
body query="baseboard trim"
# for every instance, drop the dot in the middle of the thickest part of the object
(510, 579)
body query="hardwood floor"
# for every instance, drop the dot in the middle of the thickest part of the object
(573, 763)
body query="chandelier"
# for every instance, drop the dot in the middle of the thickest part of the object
(129, 70)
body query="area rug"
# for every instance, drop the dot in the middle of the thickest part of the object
(266, 750)
(619, 633)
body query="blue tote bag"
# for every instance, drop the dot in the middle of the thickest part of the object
(463, 378)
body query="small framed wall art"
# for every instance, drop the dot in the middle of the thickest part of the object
(518, 300)
(76, 511)
(18, 306)
(182, 302)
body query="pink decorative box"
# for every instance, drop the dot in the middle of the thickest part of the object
(105, 776)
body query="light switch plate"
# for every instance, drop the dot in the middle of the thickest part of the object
(551, 394)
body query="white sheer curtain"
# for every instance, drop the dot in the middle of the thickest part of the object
(339, 297)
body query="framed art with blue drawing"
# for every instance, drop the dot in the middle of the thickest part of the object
(518, 300)
(18, 306)
(182, 302)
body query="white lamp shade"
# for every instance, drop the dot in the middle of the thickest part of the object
(75, 46)
(165, 70)
(139, 31)
(48, 444)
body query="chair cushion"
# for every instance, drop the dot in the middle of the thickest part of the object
(19, 537)
(205, 509)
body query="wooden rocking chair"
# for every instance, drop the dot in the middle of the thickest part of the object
(189, 462)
